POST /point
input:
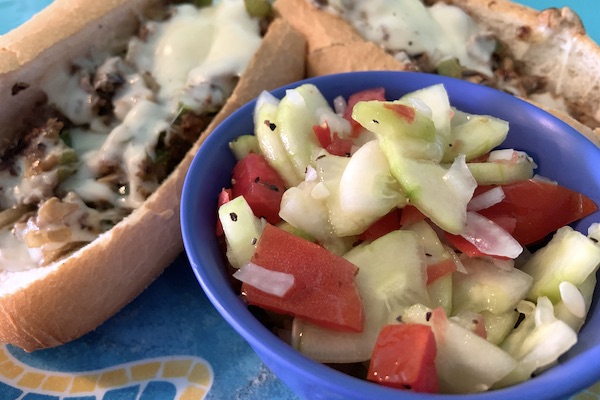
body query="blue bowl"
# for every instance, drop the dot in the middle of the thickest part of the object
(560, 152)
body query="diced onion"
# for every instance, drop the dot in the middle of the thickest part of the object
(503, 264)
(272, 282)
(340, 105)
(460, 180)
(572, 299)
(311, 174)
(544, 179)
(501, 155)
(456, 260)
(295, 98)
(544, 312)
(486, 199)
(489, 238)
(510, 155)
(336, 123)
(265, 98)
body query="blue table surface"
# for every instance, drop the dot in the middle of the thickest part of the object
(170, 342)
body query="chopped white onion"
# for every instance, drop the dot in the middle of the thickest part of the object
(486, 199)
(489, 238)
(311, 174)
(340, 105)
(503, 264)
(544, 179)
(456, 260)
(295, 98)
(594, 232)
(510, 155)
(501, 155)
(572, 299)
(544, 312)
(265, 98)
(336, 123)
(272, 282)
(460, 179)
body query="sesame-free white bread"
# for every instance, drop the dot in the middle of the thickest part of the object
(551, 43)
(52, 305)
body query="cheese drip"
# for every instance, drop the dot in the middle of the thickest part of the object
(190, 62)
(408, 26)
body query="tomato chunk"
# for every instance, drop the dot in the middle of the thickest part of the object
(386, 224)
(340, 146)
(333, 143)
(261, 186)
(323, 134)
(365, 95)
(410, 215)
(403, 111)
(440, 269)
(539, 208)
(324, 290)
(404, 358)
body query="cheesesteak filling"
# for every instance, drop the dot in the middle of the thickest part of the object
(432, 36)
(118, 124)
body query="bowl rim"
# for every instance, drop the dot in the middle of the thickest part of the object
(261, 339)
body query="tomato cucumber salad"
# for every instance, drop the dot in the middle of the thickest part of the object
(395, 241)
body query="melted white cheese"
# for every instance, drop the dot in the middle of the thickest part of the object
(194, 57)
(132, 142)
(194, 53)
(441, 31)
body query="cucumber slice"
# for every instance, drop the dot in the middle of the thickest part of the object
(360, 189)
(242, 230)
(269, 141)
(397, 270)
(367, 186)
(498, 173)
(436, 98)
(498, 326)
(441, 194)
(243, 145)
(440, 293)
(537, 342)
(297, 113)
(433, 247)
(440, 290)
(411, 133)
(413, 149)
(391, 278)
(474, 135)
(487, 287)
(309, 214)
(569, 256)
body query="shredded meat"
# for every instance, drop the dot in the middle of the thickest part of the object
(50, 128)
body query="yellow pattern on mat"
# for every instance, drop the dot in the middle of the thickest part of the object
(191, 376)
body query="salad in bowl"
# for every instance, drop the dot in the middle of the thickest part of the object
(406, 231)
